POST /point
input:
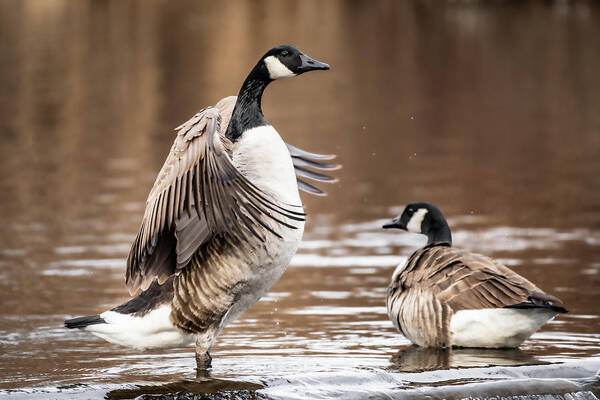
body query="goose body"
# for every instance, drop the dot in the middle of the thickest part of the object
(222, 222)
(444, 296)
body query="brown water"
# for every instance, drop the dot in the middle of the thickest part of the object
(490, 111)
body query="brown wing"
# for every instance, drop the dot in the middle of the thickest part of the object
(464, 280)
(199, 195)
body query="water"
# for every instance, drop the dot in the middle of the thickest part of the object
(487, 110)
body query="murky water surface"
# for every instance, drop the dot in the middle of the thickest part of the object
(488, 111)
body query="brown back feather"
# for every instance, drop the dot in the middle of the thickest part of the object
(465, 280)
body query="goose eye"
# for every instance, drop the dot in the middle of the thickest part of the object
(285, 53)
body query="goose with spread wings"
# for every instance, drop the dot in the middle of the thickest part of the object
(221, 223)
(445, 296)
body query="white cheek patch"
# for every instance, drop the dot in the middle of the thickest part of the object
(277, 69)
(414, 225)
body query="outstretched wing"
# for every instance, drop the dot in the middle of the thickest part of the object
(199, 195)
(303, 159)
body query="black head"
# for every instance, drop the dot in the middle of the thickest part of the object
(286, 61)
(422, 218)
(279, 62)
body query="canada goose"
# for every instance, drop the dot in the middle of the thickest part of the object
(444, 296)
(221, 223)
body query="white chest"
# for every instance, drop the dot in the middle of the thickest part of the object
(263, 158)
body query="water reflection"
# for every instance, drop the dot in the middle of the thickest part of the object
(416, 359)
(200, 386)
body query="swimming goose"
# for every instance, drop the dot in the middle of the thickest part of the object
(221, 223)
(444, 296)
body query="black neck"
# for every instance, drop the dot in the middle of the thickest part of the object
(439, 232)
(247, 113)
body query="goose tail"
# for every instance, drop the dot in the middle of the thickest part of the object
(83, 322)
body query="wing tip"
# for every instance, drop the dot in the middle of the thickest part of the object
(528, 305)
(310, 189)
(327, 157)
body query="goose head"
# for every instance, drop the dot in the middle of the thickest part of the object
(286, 61)
(279, 62)
(422, 218)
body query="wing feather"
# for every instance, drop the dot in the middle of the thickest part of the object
(199, 195)
(303, 159)
(297, 152)
(308, 188)
(317, 176)
(305, 162)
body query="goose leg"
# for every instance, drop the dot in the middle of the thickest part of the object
(203, 344)
(203, 363)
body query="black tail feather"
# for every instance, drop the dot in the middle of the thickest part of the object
(528, 304)
(82, 322)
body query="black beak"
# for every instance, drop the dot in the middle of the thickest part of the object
(395, 223)
(309, 64)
